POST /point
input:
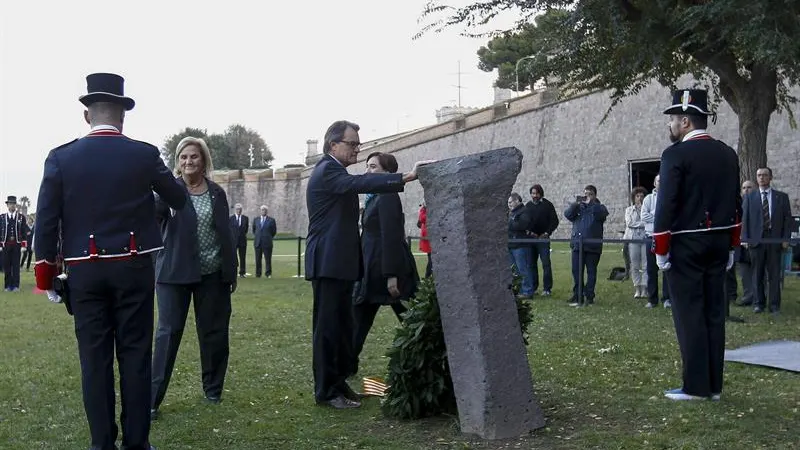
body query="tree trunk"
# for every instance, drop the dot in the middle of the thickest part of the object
(753, 102)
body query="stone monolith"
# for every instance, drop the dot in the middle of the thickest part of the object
(466, 198)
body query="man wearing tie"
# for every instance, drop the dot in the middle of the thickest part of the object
(334, 260)
(767, 215)
(264, 229)
(14, 229)
(239, 227)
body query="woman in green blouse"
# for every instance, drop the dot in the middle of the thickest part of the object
(197, 263)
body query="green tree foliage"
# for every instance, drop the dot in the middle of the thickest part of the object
(745, 51)
(229, 150)
(531, 47)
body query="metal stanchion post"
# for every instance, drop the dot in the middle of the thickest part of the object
(299, 255)
(580, 271)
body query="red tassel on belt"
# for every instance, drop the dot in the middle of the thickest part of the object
(92, 247)
(133, 250)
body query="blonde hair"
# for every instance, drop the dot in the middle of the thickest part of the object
(208, 165)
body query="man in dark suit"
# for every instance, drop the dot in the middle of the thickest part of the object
(767, 215)
(13, 239)
(239, 226)
(264, 229)
(27, 255)
(695, 233)
(96, 200)
(333, 257)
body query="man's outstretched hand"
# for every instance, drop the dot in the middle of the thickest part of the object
(411, 176)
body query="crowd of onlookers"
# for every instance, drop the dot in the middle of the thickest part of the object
(766, 214)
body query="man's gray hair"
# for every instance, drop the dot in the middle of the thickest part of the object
(335, 133)
(264, 207)
(105, 113)
(238, 205)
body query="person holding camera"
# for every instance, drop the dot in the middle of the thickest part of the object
(587, 215)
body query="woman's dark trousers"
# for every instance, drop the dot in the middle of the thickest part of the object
(212, 309)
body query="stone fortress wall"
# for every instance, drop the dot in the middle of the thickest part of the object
(564, 146)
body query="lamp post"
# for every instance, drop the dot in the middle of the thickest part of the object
(516, 71)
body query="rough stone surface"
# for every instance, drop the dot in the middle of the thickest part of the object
(467, 209)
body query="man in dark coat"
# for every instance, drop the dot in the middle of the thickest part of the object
(264, 230)
(96, 193)
(767, 214)
(697, 227)
(333, 257)
(13, 239)
(588, 217)
(543, 223)
(239, 225)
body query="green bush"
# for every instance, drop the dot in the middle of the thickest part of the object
(419, 378)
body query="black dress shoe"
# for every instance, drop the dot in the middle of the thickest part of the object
(153, 414)
(341, 402)
(213, 399)
(742, 303)
(758, 310)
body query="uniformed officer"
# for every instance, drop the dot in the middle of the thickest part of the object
(98, 191)
(697, 227)
(13, 238)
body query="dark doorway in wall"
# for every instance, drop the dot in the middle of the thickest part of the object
(643, 173)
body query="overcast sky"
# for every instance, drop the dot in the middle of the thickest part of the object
(286, 69)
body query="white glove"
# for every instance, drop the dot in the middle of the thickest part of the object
(662, 261)
(730, 261)
(53, 297)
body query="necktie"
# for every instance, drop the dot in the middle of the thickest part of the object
(765, 212)
(239, 220)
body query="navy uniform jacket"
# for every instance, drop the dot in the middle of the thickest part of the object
(699, 190)
(99, 189)
(263, 234)
(333, 249)
(21, 232)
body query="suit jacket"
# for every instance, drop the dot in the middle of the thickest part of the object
(99, 190)
(753, 219)
(386, 252)
(22, 230)
(332, 247)
(178, 262)
(239, 231)
(264, 232)
(699, 191)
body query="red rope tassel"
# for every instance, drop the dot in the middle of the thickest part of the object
(92, 247)
(133, 244)
(708, 220)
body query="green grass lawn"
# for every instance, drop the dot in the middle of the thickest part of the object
(599, 373)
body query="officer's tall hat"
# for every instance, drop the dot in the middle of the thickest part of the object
(689, 102)
(106, 87)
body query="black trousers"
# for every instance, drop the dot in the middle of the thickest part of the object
(766, 264)
(27, 256)
(590, 262)
(429, 267)
(332, 331)
(112, 302)
(652, 278)
(212, 312)
(266, 252)
(364, 316)
(697, 285)
(242, 261)
(11, 255)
